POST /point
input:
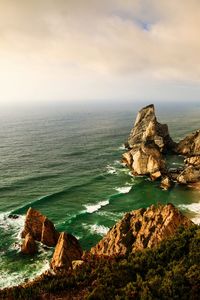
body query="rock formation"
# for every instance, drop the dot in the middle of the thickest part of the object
(146, 143)
(147, 128)
(29, 245)
(149, 141)
(139, 229)
(67, 250)
(190, 147)
(40, 228)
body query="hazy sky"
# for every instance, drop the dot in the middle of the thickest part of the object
(72, 50)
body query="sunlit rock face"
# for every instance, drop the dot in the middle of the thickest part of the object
(140, 229)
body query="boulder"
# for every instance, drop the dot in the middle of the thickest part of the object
(190, 145)
(190, 174)
(146, 128)
(165, 183)
(193, 160)
(140, 229)
(40, 228)
(29, 245)
(67, 250)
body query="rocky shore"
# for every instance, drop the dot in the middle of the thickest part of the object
(148, 144)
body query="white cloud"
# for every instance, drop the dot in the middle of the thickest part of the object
(48, 47)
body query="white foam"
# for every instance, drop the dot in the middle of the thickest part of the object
(123, 189)
(110, 215)
(122, 147)
(96, 229)
(111, 169)
(91, 208)
(195, 208)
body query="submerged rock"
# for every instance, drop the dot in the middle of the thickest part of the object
(29, 245)
(67, 250)
(139, 229)
(40, 228)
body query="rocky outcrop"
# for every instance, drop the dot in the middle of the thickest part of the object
(40, 228)
(147, 128)
(146, 143)
(67, 250)
(139, 229)
(29, 245)
(190, 174)
(146, 160)
(190, 145)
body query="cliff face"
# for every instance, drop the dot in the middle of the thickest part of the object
(140, 229)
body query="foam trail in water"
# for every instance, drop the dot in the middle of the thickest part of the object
(123, 189)
(90, 208)
(111, 169)
(96, 229)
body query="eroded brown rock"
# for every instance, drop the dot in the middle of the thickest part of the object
(29, 245)
(67, 250)
(166, 183)
(40, 228)
(139, 229)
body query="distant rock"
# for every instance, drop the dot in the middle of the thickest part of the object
(147, 128)
(190, 145)
(40, 228)
(140, 229)
(29, 245)
(67, 250)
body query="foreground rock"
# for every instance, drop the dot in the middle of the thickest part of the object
(40, 228)
(67, 250)
(29, 245)
(139, 229)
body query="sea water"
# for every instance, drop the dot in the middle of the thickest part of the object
(68, 166)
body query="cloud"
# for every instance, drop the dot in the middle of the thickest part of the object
(64, 40)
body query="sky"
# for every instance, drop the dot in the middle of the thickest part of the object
(90, 50)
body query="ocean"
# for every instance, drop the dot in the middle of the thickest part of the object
(67, 165)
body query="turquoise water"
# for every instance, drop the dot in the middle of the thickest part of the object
(67, 165)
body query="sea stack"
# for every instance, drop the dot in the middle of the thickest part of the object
(140, 229)
(40, 228)
(147, 142)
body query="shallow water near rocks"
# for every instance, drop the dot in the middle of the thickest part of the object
(67, 165)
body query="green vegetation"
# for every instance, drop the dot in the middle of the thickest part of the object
(170, 271)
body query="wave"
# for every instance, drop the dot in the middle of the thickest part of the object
(90, 208)
(111, 169)
(122, 147)
(7, 222)
(51, 197)
(96, 229)
(193, 207)
(123, 189)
